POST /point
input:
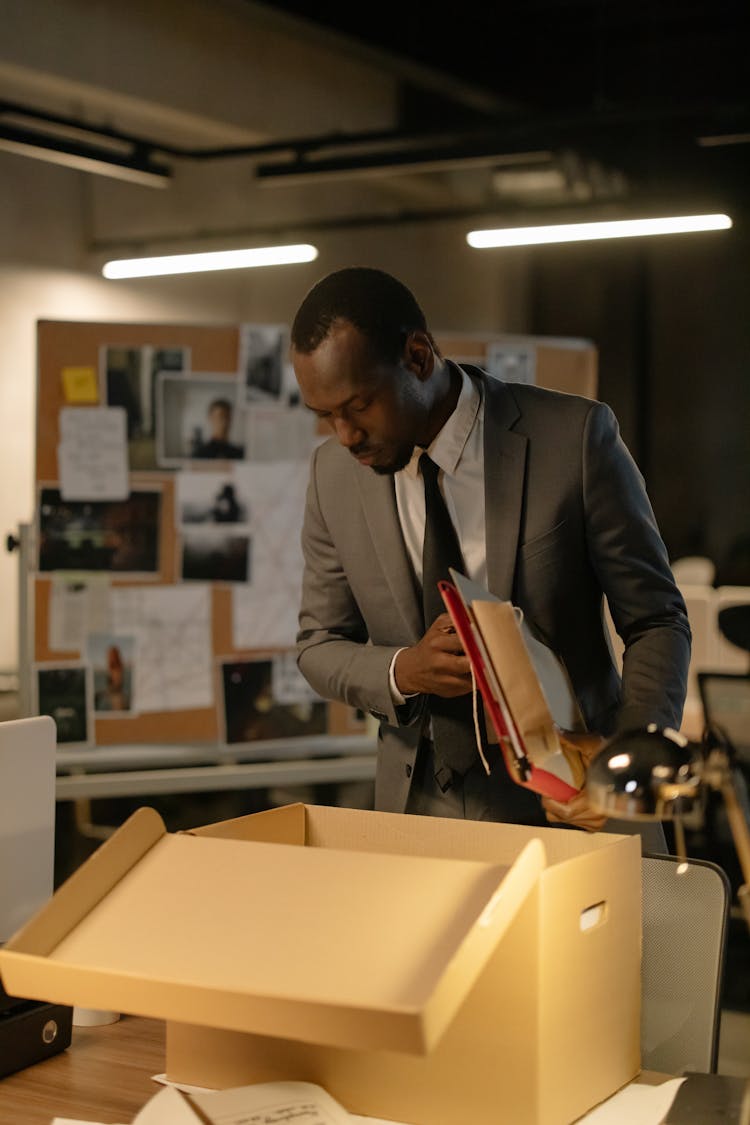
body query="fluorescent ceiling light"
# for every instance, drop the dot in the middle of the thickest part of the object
(213, 260)
(584, 232)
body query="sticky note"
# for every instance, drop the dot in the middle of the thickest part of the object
(80, 384)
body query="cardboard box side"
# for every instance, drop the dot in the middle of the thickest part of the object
(87, 886)
(484, 1068)
(590, 1012)
(443, 838)
(284, 825)
(482, 942)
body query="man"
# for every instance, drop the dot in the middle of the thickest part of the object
(218, 445)
(549, 509)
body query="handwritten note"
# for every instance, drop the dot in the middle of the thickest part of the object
(272, 1103)
(93, 454)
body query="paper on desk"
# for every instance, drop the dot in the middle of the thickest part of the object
(93, 453)
(272, 1103)
(648, 1105)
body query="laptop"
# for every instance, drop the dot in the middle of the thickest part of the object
(27, 818)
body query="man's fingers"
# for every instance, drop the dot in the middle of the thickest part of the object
(577, 811)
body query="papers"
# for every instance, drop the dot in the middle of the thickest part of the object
(303, 1103)
(93, 454)
(264, 612)
(518, 677)
(272, 1103)
(78, 606)
(637, 1102)
(172, 630)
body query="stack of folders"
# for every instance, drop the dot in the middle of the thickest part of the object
(526, 690)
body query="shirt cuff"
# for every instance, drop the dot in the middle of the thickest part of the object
(398, 699)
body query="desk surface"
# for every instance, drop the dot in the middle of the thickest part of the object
(105, 1075)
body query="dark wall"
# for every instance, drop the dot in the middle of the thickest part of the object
(671, 319)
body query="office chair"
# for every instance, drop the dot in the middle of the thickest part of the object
(685, 913)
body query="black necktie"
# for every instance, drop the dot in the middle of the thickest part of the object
(452, 722)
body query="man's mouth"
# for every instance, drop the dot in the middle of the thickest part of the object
(365, 456)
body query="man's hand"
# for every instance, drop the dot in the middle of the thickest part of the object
(577, 810)
(436, 665)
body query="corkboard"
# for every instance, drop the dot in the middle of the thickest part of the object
(565, 365)
(214, 350)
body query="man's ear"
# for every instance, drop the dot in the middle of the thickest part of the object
(419, 355)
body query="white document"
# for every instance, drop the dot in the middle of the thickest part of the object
(274, 433)
(264, 612)
(78, 606)
(272, 1103)
(172, 628)
(168, 1107)
(637, 1102)
(93, 453)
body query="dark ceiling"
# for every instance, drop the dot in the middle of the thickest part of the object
(655, 90)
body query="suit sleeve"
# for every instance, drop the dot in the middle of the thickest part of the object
(631, 563)
(334, 652)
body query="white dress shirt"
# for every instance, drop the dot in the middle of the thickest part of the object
(458, 451)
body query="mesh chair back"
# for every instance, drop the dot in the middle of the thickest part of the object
(685, 912)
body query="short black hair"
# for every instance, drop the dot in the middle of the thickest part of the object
(220, 403)
(379, 305)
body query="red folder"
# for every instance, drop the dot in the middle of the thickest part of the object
(519, 765)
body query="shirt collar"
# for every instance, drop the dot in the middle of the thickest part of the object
(447, 447)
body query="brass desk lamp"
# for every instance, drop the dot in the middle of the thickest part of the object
(658, 774)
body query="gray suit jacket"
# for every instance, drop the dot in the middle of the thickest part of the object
(567, 520)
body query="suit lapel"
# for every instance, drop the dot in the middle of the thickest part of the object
(504, 473)
(379, 505)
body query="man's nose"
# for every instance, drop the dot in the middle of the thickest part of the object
(347, 434)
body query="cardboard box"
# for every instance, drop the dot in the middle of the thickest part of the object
(424, 970)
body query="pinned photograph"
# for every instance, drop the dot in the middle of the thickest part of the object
(198, 419)
(112, 661)
(263, 356)
(252, 712)
(130, 378)
(63, 693)
(99, 535)
(208, 498)
(212, 557)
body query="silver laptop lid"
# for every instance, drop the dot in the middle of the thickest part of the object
(27, 819)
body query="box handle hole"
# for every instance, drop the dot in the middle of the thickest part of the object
(592, 916)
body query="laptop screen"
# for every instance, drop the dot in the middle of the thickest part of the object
(27, 819)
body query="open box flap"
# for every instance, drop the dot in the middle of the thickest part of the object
(331, 946)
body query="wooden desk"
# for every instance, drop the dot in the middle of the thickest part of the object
(105, 1075)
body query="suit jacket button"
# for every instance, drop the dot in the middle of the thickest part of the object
(408, 771)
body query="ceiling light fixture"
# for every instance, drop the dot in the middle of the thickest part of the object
(211, 260)
(585, 232)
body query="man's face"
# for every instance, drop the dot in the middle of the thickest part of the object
(377, 411)
(219, 419)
